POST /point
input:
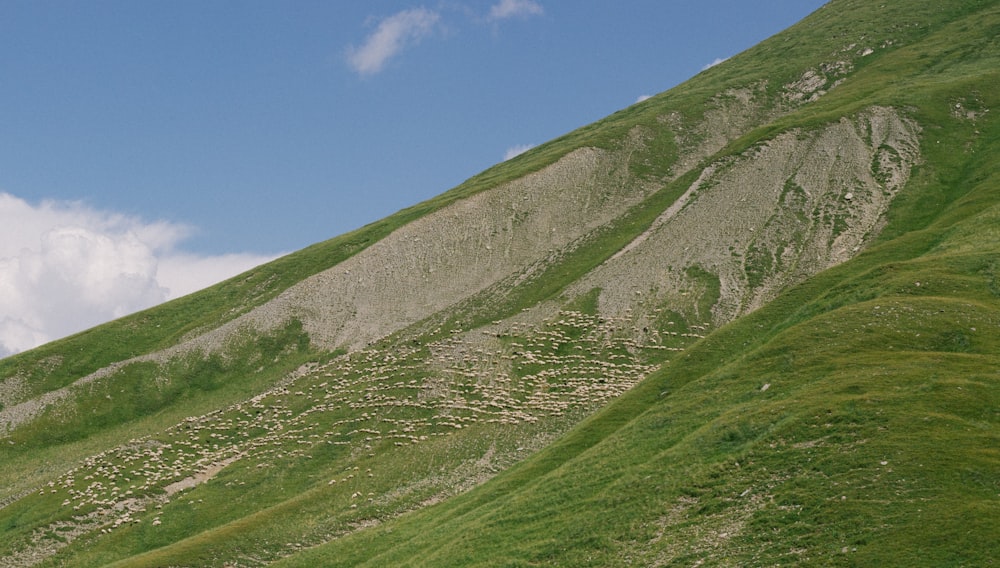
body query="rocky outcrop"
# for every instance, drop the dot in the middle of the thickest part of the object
(768, 218)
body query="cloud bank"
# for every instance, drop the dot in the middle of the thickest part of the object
(65, 267)
(392, 35)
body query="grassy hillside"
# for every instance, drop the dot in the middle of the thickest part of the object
(851, 422)
(597, 404)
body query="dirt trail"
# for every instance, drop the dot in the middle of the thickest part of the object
(200, 477)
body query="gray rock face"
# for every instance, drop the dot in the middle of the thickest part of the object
(766, 219)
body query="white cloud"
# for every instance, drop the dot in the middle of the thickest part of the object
(392, 35)
(714, 62)
(514, 8)
(408, 28)
(515, 151)
(65, 267)
(641, 98)
(183, 273)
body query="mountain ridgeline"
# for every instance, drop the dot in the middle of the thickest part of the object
(753, 320)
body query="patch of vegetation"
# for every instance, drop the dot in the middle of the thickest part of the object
(141, 389)
(758, 265)
(709, 291)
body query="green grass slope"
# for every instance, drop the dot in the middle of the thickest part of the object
(853, 420)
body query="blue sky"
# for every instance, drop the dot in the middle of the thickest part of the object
(217, 134)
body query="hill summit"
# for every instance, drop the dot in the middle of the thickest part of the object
(753, 320)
